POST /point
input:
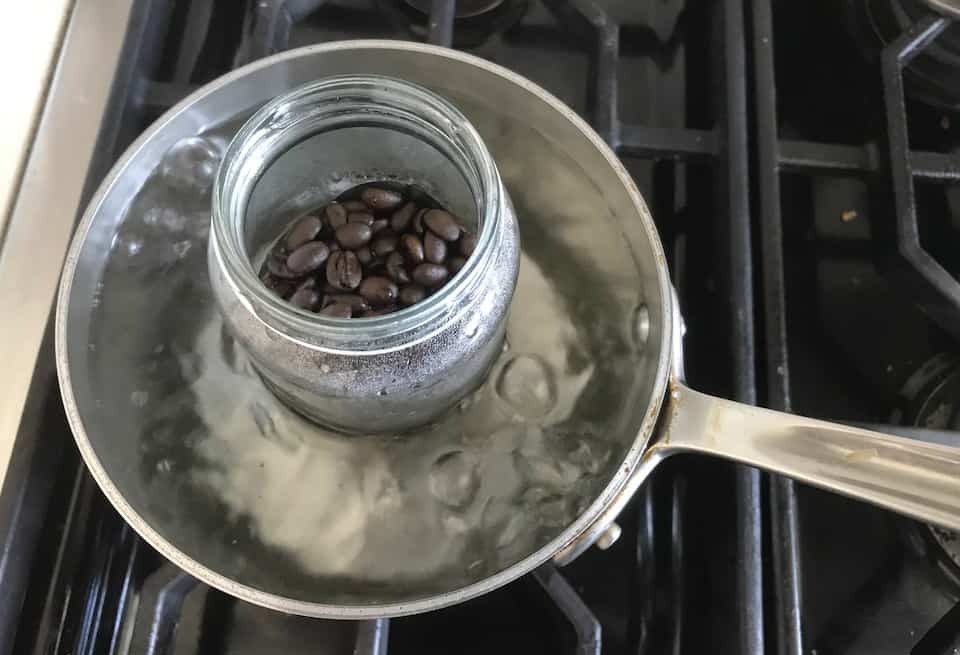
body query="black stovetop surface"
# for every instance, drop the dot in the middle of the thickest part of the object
(768, 141)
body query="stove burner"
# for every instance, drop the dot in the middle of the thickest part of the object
(465, 8)
(931, 399)
(934, 75)
(475, 21)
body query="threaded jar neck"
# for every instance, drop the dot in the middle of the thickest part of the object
(323, 107)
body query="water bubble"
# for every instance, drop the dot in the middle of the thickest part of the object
(548, 472)
(198, 227)
(553, 511)
(502, 521)
(589, 455)
(505, 439)
(511, 530)
(139, 398)
(191, 366)
(128, 245)
(167, 219)
(191, 164)
(384, 492)
(549, 508)
(454, 479)
(181, 248)
(641, 325)
(533, 495)
(471, 399)
(526, 384)
(261, 416)
(454, 524)
(97, 294)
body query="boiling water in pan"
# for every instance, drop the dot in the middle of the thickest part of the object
(246, 486)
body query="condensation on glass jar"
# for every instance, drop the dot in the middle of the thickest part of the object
(378, 374)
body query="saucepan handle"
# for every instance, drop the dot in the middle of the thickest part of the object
(911, 477)
(914, 478)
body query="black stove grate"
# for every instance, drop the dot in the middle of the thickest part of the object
(885, 163)
(102, 590)
(938, 291)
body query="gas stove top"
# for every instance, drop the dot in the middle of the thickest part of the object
(798, 159)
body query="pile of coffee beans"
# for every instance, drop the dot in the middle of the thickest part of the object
(377, 248)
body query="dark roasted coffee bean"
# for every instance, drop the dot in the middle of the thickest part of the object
(337, 310)
(304, 230)
(430, 275)
(434, 248)
(396, 269)
(378, 291)
(360, 217)
(308, 257)
(343, 270)
(355, 302)
(455, 264)
(389, 309)
(412, 294)
(364, 255)
(412, 247)
(443, 224)
(380, 199)
(279, 286)
(306, 296)
(376, 267)
(467, 244)
(367, 255)
(336, 214)
(384, 244)
(418, 221)
(277, 265)
(401, 218)
(354, 235)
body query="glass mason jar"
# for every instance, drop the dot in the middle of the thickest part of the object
(378, 374)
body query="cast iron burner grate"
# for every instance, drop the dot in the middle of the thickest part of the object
(176, 614)
(97, 588)
(894, 173)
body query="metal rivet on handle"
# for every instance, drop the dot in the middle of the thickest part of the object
(608, 537)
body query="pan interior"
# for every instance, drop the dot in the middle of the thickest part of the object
(179, 425)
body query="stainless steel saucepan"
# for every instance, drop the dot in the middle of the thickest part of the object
(585, 401)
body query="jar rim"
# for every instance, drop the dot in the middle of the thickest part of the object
(239, 172)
